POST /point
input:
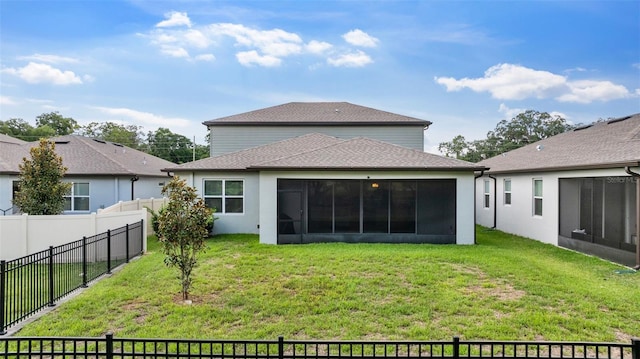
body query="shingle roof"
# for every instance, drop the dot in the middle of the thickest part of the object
(86, 156)
(615, 143)
(315, 113)
(8, 139)
(318, 151)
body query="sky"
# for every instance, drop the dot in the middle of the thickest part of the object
(463, 65)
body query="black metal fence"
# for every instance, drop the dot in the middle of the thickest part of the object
(110, 347)
(33, 282)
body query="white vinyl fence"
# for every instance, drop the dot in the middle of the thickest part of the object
(21, 235)
(153, 204)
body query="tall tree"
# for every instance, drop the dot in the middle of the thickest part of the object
(41, 188)
(61, 125)
(19, 128)
(182, 229)
(129, 135)
(527, 127)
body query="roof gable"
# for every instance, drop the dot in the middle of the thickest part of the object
(317, 113)
(609, 144)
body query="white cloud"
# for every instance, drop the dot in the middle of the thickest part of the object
(35, 73)
(354, 59)
(5, 100)
(174, 51)
(205, 57)
(249, 58)
(175, 18)
(197, 39)
(358, 37)
(52, 59)
(274, 42)
(145, 117)
(587, 91)
(515, 82)
(318, 47)
(256, 47)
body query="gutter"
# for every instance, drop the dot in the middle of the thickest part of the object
(475, 177)
(637, 177)
(134, 179)
(495, 201)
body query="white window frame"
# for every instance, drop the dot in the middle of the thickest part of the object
(73, 195)
(223, 196)
(537, 197)
(487, 194)
(507, 192)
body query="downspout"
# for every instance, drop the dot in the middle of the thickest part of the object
(133, 180)
(495, 201)
(637, 177)
(474, 204)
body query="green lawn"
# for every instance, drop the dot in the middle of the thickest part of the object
(504, 288)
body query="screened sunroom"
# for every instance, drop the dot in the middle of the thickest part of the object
(598, 211)
(354, 210)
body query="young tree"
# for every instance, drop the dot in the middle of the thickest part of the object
(41, 188)
(182, 229)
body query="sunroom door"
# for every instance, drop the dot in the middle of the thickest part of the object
(290, 211)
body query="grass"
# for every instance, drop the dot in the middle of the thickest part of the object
(504, 288)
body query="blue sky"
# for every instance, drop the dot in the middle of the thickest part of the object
(464, 65)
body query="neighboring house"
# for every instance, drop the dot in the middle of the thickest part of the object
(577, 190)
(311, 172)
(103, 173)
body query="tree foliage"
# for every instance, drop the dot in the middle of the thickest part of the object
(182, 229)
(527, 127)
(41, 188)
(129, 135)
(161, 143)
(174, 147)
(59, 124)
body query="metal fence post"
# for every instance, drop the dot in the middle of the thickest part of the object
(281, 347)
(84, 261)
(3, 269)
(109, 348)
(635, 348)
(456, 347)
(51, 286)
(142, 239)
(127, 243)
(108, 251)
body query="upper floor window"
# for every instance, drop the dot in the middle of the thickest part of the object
(507, 191)
(226, 196)
(487, 193)
(537, 197)
(77, 199)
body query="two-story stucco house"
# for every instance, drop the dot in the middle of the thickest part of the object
(103, 173)
(578, 190)
(332, 171)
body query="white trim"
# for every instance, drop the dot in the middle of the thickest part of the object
(223, 196)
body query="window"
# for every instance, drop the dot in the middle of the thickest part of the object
(537, 197)
(225, 196)
(507, 191)
(487, 193)
(77, 199)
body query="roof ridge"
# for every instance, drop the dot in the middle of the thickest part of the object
(304, 151)
(410, 149)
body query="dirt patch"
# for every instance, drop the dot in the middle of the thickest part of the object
(486, 286)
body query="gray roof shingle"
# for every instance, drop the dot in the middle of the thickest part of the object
(318, 151)
(86, 156)
(609, 144)
(317, 113)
